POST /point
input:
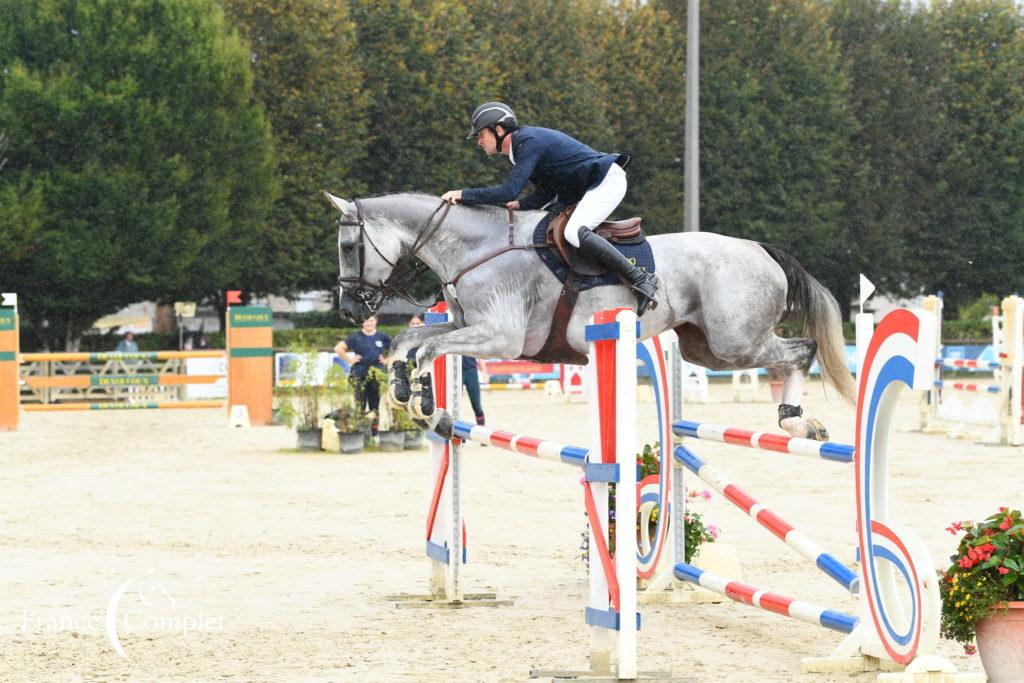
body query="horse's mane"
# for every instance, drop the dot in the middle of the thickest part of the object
(494, 212)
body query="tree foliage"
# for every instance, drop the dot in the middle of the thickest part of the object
(159, 151)
(139, 167)
(303, 55)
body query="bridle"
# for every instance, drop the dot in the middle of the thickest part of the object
(403, 271)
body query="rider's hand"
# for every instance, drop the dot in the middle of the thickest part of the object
(452, 196)
(356, 357)
(512, 205)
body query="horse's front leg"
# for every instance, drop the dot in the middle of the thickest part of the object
(399, 389)
(482, 340)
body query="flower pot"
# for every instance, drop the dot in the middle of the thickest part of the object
(350, 442)
(1001, 643)
(391, 441)
(414, 439)
(309, 439)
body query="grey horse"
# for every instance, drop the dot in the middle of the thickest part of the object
(723, 296)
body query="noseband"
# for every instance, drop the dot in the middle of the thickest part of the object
(403, 272)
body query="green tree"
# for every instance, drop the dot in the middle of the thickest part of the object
(775, 130)
(975, 242)
(307, 77)
(893, 186)
(140, 165)
(646, 83)
(550, 58)
(426, 68)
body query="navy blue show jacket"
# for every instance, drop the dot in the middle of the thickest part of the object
(560, 167)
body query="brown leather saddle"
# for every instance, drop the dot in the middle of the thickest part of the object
(626, 232)
(556, 348)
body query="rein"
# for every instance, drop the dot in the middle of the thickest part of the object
(403, 271)
(484, 259)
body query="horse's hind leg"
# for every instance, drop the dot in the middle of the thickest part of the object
(792, 358)
(795, 365)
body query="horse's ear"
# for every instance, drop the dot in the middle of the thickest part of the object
(346, 207)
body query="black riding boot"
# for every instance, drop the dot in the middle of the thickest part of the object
(644, 284)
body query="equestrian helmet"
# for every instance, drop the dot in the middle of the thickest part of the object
(491, 114)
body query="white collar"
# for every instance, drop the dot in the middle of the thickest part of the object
(511, 154)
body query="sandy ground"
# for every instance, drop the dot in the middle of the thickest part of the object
(240, 560)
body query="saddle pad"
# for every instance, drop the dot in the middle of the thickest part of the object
(641, 254)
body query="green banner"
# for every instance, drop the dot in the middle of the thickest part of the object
(123, 406)
(7, 319)
(252, 353)
(251, 316)
(128, 381)
(121, 355)
(8, 355)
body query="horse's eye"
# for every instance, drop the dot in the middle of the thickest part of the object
(347, 248)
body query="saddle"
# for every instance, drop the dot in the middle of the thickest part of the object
(556, 347)
(626, 231)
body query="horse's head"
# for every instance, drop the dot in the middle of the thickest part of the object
(366, 260)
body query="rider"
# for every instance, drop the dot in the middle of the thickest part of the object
(563, 169)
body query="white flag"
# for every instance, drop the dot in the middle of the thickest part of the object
(9, 299)
(866, 290)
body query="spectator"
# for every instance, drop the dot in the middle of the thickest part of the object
(127, 344)
(415, 321)
(363, 350)
(471, 380)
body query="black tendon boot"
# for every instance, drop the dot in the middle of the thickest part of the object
(643, 284)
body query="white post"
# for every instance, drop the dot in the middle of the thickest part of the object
(444, 540)
(864, 324)
(929, 406)
(1013, 338)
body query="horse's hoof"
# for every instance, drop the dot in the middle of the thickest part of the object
(393, 397)
(399, 390)
(804, 429)
(816, 431)
(421, 404)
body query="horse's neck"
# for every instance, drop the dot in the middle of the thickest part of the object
(465, 236)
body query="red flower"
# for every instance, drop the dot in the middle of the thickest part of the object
(1007, 523)
(966, 563)
(970, 649)
(1004, 510)
(1003, 570)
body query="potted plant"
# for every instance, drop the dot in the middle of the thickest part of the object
(303, 412)
(983, 593)
(404, 423)
(390, 435)
(696, 532)
(348, 417)
(282, 399)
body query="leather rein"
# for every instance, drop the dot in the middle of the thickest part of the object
(498, 252)
(403, 270)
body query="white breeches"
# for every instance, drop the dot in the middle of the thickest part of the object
(597, 204)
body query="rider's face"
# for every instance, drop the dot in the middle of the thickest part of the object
(487, 141)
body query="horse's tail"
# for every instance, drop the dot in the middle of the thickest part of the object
(810, 302)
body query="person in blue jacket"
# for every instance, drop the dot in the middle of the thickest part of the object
(363, 349)
(563, 170)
